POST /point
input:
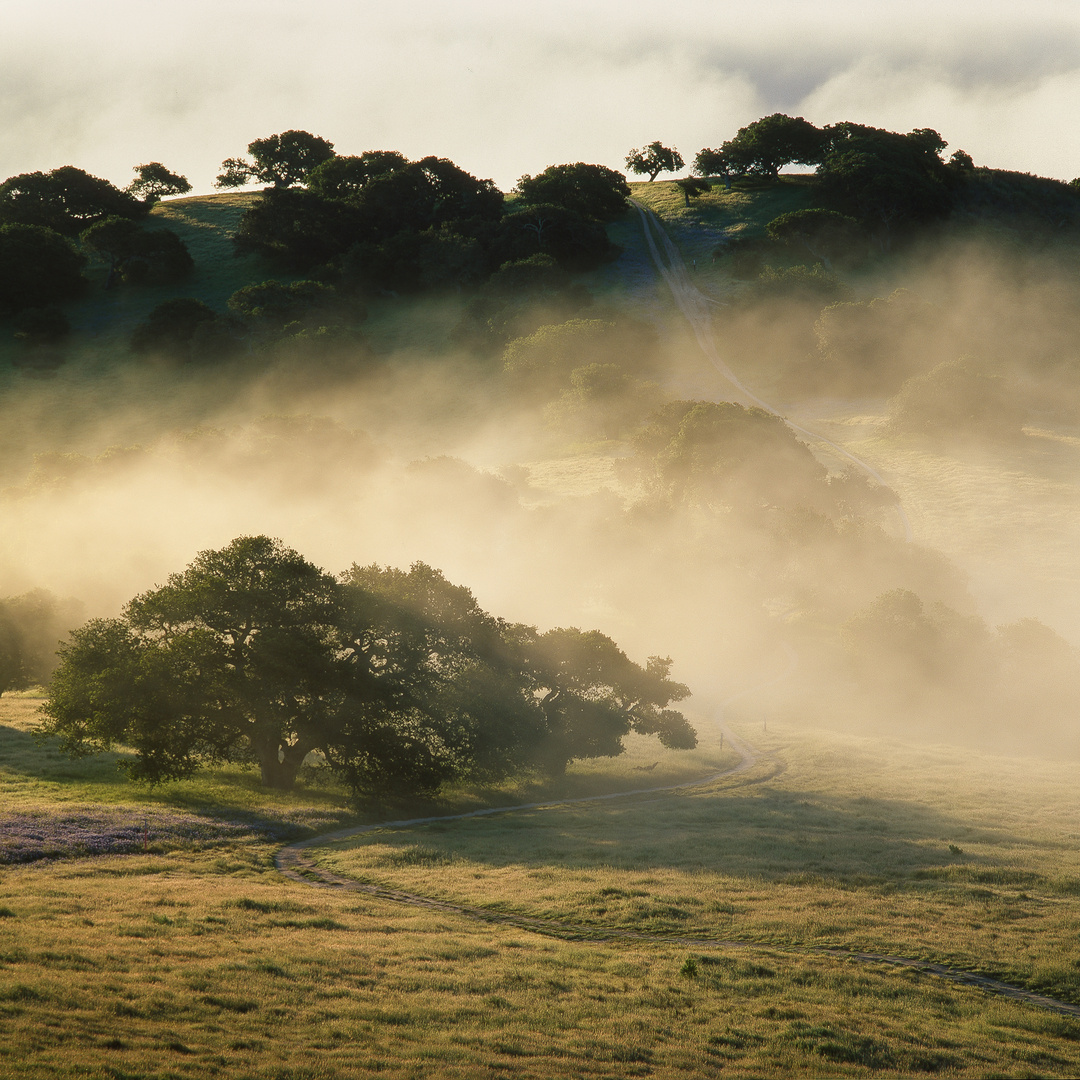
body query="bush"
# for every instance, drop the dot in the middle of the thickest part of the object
(813, 284)
(519, 297)
(957, 400)
(546, 357)
(171, 326)
(604, 400)
(37, 267)
(872, 346)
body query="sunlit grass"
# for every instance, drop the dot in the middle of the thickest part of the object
(933, 854)
(196, 967)
(203, 961)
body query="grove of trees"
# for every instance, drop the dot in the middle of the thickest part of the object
(379, 222)
(398, 678)
(42, 214)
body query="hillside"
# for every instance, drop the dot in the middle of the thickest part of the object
(686, 601)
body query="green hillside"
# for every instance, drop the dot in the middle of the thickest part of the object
(674, 598)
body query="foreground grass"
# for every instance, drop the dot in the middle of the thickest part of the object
(199, 959)
(198, 966)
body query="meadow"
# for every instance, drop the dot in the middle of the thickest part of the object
(197, 958)
(715, 929)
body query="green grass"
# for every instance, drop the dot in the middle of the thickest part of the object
(102, 320)
(204, 961)
(884, 850)
(744, 211)
(199, 959)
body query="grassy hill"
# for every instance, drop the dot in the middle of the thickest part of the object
(146, 932)
(196, 958)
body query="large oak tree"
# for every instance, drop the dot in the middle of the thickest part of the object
(399, 678)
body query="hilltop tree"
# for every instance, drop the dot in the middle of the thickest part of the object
(884, 179)
(66, 200)
(155, 181)
(768, 144)
(424, 194)
(712, 162)
(591, 190)
(653, 160)
(278, 160)
(345, 177)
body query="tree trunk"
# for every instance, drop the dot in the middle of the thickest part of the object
(279, 764)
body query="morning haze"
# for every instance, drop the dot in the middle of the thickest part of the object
(647, 611)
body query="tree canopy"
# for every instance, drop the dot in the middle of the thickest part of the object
(370, 203)
(344, 177)
(278, 160)
(137, 255)
(591, 190)
(825, 234)
(653, 160)
(885, 179)
(398, 677)
(766, 145)
(692, 187)
(38, 266)
(66, 200)
(154, 181)
(720, 453)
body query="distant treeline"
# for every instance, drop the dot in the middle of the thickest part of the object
(378, 222)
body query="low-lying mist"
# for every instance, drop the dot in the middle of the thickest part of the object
(576, 478)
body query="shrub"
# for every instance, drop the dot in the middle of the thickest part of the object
(958, 399)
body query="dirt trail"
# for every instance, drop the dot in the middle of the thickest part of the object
(294, 864)
(696, 308)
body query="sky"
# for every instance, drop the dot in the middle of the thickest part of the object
(507, 89)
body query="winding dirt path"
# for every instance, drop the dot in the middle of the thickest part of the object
(294, 863)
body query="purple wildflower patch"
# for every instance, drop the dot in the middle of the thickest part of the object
(28, 836)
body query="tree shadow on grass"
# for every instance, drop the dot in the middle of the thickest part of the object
(775, 836)
(33, 772)
(24, 756)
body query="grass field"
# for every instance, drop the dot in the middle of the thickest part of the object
(196, 958)
(147, 933)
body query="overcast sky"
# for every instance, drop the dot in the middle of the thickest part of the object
(508, 89)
